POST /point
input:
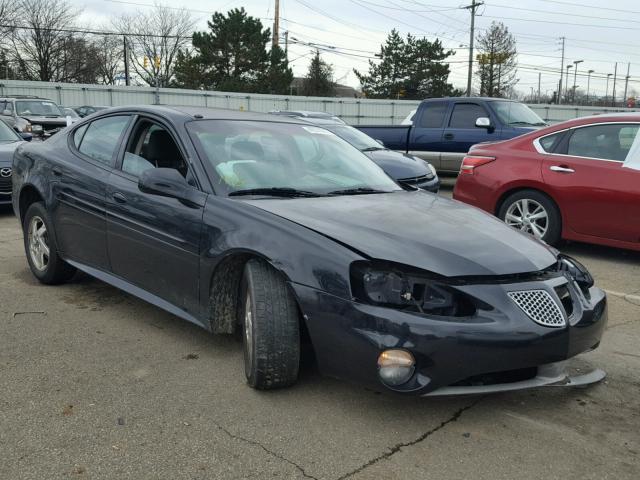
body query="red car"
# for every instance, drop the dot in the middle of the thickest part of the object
(577, 180)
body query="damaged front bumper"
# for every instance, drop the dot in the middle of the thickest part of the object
(499, 348)
(552, 375)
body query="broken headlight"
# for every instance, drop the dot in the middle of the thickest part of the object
(391, 286)
(576, 271)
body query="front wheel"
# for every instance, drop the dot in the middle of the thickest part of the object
(270, 328)
(533, 212)
(41, 248)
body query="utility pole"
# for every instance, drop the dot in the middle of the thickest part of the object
(615, 78)
(472, 9)
(589, 83)
(126, 61)
(276, 25)
(559, 99)
(539, 78)
(626, 83)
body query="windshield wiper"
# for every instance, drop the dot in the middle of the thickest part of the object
(276, 192)
(372, 149)
(537, 124)
(357, 191)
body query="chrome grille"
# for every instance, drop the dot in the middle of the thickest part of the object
(539, 307)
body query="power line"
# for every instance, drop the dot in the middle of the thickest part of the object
(589, 25)
(564, 14)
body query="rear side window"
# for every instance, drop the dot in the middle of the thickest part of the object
(550, 142)
(101, 138)
(464, 115)
(433, 115)
(606, 142)
(78, 134)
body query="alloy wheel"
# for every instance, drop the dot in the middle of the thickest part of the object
(528, 216)
(248, 335)
(38, 243)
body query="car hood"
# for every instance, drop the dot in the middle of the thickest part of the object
(46, 121)
(419, 229)
(398, 165)
(6, 153)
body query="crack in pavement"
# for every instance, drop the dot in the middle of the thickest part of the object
(399, 446)
(270, 452)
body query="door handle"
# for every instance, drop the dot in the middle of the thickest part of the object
(448, 136)
(57, 171)
(120, 198)
(561, 169)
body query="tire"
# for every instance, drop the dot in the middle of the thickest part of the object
(547, 228)
(270, 328)
(41, 248)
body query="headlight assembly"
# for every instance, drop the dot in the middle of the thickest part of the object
(576, 271)
(386, 285)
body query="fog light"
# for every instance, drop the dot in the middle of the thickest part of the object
(395, 367)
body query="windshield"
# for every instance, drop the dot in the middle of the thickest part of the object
(514, 113)
(249, 155)
(37, 107)
(70, 112)
(7, 134)
(355, 137)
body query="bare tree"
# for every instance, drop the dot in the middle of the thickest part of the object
(157, 35)
(42, 43)
(8, 14)
(110, 57)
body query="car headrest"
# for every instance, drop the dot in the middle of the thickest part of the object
(247, 150)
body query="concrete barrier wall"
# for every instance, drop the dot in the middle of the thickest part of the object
(352, 110)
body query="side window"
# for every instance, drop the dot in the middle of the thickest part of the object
(464, 115)
(607, 142)
(550, 142)
(152, 146)
(78, 134)
(433, 114)
(100, 141)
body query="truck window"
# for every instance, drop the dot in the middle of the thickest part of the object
(464, 115)
(433, 114)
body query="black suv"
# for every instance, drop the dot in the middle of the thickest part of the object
(44, 116)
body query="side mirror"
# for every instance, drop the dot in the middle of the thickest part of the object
(483, 122)
(26, 136)
(380, 142)
(167, 182)
(7, 113)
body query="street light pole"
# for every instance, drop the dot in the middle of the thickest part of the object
(566, 86)
(606, 92)
(589, 83)
(575, 74)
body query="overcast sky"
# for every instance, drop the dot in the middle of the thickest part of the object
(355, 28)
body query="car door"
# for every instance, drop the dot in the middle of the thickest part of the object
(426, 134)
(154, 241)
(589, 176)
(461, 133)
(79, 188)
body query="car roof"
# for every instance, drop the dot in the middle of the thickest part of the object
(178, 113)
(466, 99)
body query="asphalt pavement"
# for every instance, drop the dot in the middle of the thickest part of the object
(96, 384)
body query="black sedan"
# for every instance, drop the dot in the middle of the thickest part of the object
(9, 141)
(284, 232)
(402, 167)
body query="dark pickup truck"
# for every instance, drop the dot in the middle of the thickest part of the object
(444, 129)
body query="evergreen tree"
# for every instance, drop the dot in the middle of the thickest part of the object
(319, 80)
(414, 68)
(232, 56)
(497, 61)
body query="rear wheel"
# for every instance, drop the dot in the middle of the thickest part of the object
(270, 328)
(532, 212)
(41, 248)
